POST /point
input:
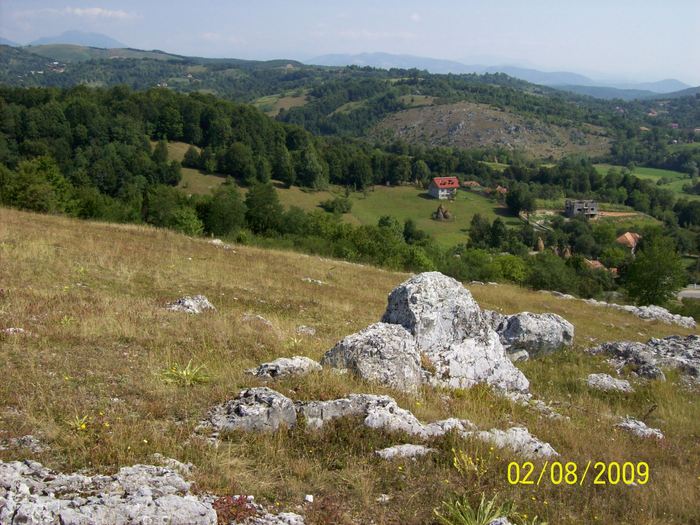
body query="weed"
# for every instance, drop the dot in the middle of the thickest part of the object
(185, 376)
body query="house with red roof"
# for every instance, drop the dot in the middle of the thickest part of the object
(629, 240)
(443, 187)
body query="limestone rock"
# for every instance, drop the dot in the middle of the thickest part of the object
(649, 313)
(286, 366)
(31, 493)
(379, 412)
(385, 353)
(306, 330)
(191, 305)
(255, 409)
(647, 359)
(536, 333)
(403, 451)
(452, 333)
(519, 440)
(256, 319)
(639, 428)
(608, 383)
(283, 518)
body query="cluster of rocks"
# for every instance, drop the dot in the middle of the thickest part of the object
(433, 332)
(647, 359)
(191, 304)
(13, 331)
(33, 494)
(649, 313)
(265, 410)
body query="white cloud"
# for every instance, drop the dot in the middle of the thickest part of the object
(415, 17)
(98, 12)
(82, 12)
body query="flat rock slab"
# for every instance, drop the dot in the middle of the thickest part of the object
(403, 451)
(639, 429)
(286, 366)
(607, 383)
(519, 440)
(30, 493)
(191, 305)
(253, 410)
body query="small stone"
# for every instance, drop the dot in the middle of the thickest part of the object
(286, 366)
(608, 383)
(313, 281)
(306, 330)
(639, 429)
(191, 305)
(403, 451)
(309, 498)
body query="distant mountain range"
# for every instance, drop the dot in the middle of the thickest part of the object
(565, 80)
(6, 42)
(80, 38)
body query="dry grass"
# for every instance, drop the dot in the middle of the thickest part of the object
(93, 294)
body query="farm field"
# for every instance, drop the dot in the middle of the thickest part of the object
(273, 104)
(678, 179)
(403, 202)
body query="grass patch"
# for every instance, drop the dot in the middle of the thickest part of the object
(105, 365)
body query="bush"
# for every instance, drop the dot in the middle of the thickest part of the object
(339, 205)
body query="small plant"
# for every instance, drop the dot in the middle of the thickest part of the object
(460, 512)
(79, 424)
(233, 509)
(468, 465)
(294, 343)
(188, 375)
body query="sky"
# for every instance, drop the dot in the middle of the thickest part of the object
(615, 40)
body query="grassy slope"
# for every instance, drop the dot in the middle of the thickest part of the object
(93, 295)
(678, 179)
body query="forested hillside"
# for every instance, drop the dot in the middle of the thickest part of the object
(87, 153)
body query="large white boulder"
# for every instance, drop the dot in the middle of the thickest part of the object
(451, 332)
(537, 334)
(385, 353)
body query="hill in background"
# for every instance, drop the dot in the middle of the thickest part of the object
(79, 38)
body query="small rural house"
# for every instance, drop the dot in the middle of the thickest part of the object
(629, 240)
(443, 187)
(587, 208)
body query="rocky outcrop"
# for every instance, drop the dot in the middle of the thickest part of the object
(639, 429)
(30, 493)
(385, 353)
(255, 409)
(286, 366)
(537, 334)
(263, 409)
(607, 383)
(649, 313)
(648, 359)
(191, 305)
(403, 451)
(444, 330)
(519, 440)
